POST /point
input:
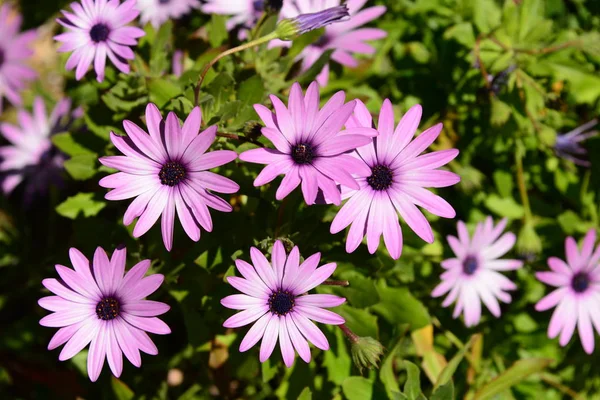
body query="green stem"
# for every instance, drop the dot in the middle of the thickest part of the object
(253, 43)
(521, 183)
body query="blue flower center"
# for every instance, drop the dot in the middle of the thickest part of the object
(172, 173)
(470, 265)
(107, 309)
(303, 153)
(381, 177)
(580, 282)
(99, 32)
(281, 302)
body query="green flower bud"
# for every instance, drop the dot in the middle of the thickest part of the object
(366, 353)
(529, 244)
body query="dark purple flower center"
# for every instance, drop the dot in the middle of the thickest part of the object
(303, 153)
(470, 265)
(1, 57)
(381, 177)
(172, 173)
(580, 282)
(281, 302)
(99, 32)
(107, 309)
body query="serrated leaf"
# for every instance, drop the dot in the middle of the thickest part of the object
(519, 371)
(80, 203)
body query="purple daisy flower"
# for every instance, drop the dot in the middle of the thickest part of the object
(97, 30)
(568, 145)
(275, 297)
(395, 181)
(157, 12)
(31, 156)
(577, 293)
(15, 50)
(96, 303)
(310, 147)
(244, 13)
(345, 38)
(473, 276)
(167, 173)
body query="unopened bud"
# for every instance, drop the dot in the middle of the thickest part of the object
(291, 28)
(529, 244)
(366, 353)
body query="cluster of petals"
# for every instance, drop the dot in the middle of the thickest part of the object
(274, 299)
(577, 293)
(311, 149)
(474, 275)
(157, 12)
(393, 180)
(345, 38)
(30, 155)
(97, 30)
(15, 50)
(166, 170)
(98, 304)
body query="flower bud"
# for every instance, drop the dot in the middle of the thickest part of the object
(366, 353)
(529, 244)
(291, 28)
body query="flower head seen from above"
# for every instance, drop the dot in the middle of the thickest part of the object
(274, 298)
(31, 156)
(568, 145)
(244, 13)
(473, 276)
(95, 303)
(345, 38)
(395, 181)
(157, 12)
(291, 28)
(97, 30)
(577, 293)
(311, 149)
(167, 173)
(15, 50)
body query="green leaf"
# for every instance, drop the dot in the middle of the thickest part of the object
(81, 166)
(504, 182)
(64, 142)
(412, 387)
(159, 59)
(315, 68)
(217, 30)
(446, 374)
(486, 15)
(462, 33)
(512, 376)
(358, 388)
(361, 292)
(337, 360)
(268, 371)
(399, 306)
(251, 91)
(306, 394)
(359, 321)
(504, 206)
(444, 392)
(121, 390)
(161, 91)
(80, 203)
(585, 86)
(500, 112)
(386, 372)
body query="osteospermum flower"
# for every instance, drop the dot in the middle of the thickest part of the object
(274, 295)
(97, 30)
(346, 38)
(244, 13)
(96, 304)
(15, 49)
(577, 293)
(395, 181)
(310, 146)
(569, 145)
(167, 173)
(473, 276)
(157, 12)
(31, 155)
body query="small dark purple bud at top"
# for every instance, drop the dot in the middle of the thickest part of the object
(309, 22)
(273, 6)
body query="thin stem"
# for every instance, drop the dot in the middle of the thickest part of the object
(521, 183)
(336, 283)
(245, 46)
(549, 49)
(240, 138)
(353, 337)
(484, 73)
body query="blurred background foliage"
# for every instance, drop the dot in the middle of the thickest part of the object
(504, 77)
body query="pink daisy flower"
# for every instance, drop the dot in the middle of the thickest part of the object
(577, 293)
(31, 156)
(274, 295)
(15, 49)
(244, 12)
(96, 303)
(167, 173)
(395, 181)
(157, 12)
(311, 149)
(97, 30)
(346, 38)
(473, 276)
